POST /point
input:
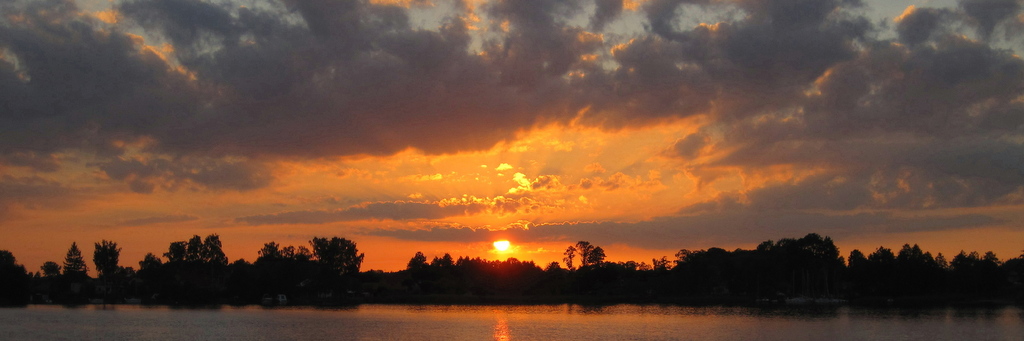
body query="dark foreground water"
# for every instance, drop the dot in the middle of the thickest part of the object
(509, 322)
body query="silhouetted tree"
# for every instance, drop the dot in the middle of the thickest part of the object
(681, 255)
(570, 255)
(445, 261)
(584, 249)
(418, 261)
(7, 258)
(1014, 269)
(303, 253)
(916, 272)
(338, 254)
(272, 250)
(50, 269)
(300, 253)
(288, 252)
(105, 257)
(704, 271)
(176, 252)
(976, 275)
(15, 282)
(595, 257)
(150, 261)
(212, 251)
(74, 264)
(882, 269)
(269, 251)
(858, 271)
(589, 255)
(660, 264)
(195, 272)
(941, 261)
(194, 249)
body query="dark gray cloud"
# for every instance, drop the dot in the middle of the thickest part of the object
(179, 218)
(341, 78)
(320, 78)
(930, 120)
(605, 12)
(376, 211)
(305, 78)
(757, 63)
(690, 146)
(923, 126)
(33, 193)
(143, 176)
(32, 160)
(920, 24)
(702, 230)
(987, 14)
(68, 84)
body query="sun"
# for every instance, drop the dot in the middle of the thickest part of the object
(502, 245)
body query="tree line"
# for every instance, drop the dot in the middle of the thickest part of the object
(191, 272)
(327, 271)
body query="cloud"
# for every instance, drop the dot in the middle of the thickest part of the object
(325, 78)
(805, 106)
(337, 78)
(143, 176)
(319, 78)
(986, 14)
(180, 218)
(400, 210)
(542, 196)
(605, 12)
(690, 146)
(65, 82)
(33, 193)
(701, 230)
(915, 25)
(35, 161)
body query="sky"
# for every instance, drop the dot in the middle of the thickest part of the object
(643, 127)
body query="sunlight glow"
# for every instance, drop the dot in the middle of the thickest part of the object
(502, 245)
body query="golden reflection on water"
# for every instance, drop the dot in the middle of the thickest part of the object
(501, 331)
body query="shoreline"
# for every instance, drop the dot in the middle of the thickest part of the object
(866, 302)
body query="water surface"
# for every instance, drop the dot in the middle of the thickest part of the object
(509, 322)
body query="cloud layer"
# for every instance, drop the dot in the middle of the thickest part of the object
(799, 113)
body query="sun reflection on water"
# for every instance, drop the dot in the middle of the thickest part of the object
(501, 331)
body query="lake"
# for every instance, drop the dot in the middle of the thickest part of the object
(509, 322)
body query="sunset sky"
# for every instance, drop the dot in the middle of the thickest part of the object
(441, 126)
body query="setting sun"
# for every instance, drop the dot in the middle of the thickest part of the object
(502, 245)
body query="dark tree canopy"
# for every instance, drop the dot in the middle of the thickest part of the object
(589, 255)
(270, 251)
(212, 251)
(50, 269)
(194, 249)
(150, 261)
(570, 256)
(15, 282)
(596, 257)
(7, 258)
(329, 273)
(445, 261)
(418, 261)
(106, 257)
(74, 264)
(273, 251)
(197, 250)
(338, 254)
(176, 252)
